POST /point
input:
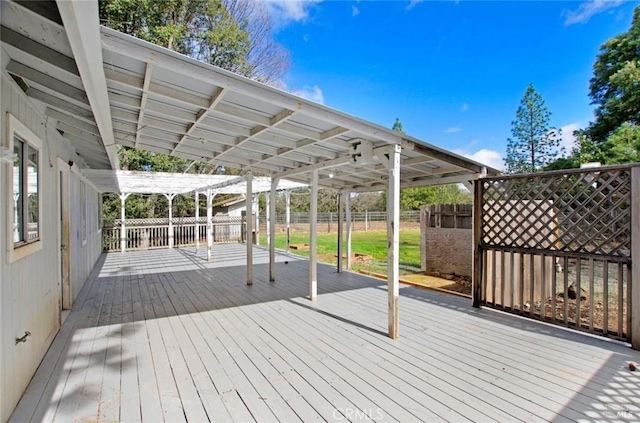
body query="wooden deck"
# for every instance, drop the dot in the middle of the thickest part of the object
(166, 336)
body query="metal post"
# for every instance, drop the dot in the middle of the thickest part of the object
(271, 226)
(249, 206)
(340, 226)
(287, 214)
(347, 206)
(313, 237)
(393, 241)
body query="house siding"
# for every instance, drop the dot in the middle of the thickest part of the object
(29, 287)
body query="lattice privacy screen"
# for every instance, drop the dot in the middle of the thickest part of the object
(578, 212)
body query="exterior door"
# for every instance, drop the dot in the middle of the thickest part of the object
(63, 235)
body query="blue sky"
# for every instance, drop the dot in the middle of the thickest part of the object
(453, 72)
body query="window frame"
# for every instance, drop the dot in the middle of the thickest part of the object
(17, 251)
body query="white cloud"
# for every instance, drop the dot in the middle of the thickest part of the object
(485, 156)
(413, 3)
(452, 130)
(285, 11)
(587, 9)
(354, 10)
(464, 107)
(567, 141)
(313, 93)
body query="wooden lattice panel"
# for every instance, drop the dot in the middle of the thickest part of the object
(578, 212)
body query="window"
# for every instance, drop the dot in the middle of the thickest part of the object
(24, 205)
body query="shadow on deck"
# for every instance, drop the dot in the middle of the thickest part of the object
(165, 335)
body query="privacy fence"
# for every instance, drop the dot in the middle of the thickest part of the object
(446, 239)
(559, 247)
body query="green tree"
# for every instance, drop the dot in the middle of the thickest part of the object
(397, 126)
(235, 35)
(615, 86)
(534, 144)
(623, 146)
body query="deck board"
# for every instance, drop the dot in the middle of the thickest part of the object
(165, 335)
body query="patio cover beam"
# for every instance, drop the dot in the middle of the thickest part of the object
(113, 41)
(83, 31)
(143, 100)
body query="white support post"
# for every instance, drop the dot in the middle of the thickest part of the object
(313, 237)
(340, 226)
(393, 240)
(267, 207)
(170, 198)
(271, 228)
(287, 217)
(256, 209)
(249, 206)
(347, 206)
(197, 198)
(123, 229)
(210, 196)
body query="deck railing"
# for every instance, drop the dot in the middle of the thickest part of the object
(147, 234)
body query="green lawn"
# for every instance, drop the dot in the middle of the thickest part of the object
(372, 243)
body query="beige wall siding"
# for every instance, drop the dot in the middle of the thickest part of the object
(29, 290)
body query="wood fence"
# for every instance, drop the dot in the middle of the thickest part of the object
(446, 238)
(558, 246)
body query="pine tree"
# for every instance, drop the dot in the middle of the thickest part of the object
(533, 144)
(397, 126)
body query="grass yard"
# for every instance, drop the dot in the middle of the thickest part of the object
(372, 244)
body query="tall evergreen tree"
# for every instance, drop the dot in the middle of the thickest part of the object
(534, 144)
(615, 86)
(397, 126)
